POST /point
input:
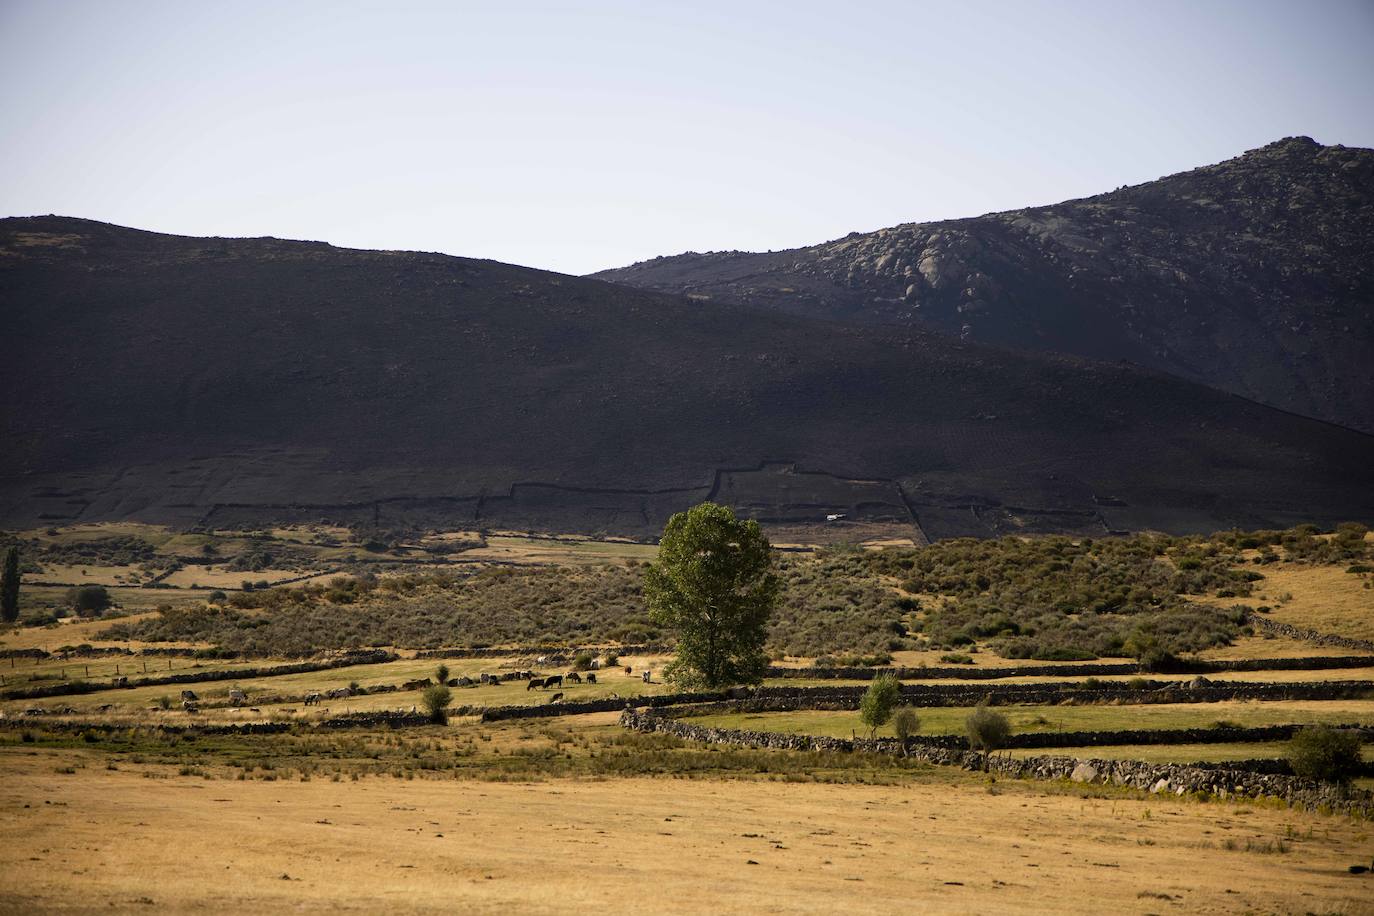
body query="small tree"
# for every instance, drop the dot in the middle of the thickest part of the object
(906, 723)
(9, 586)
(1325, 753)
(441, 675)
(987, 730)
(713, 584)
(436, 699)
(878, 702)
(88, 600)
(582, 661)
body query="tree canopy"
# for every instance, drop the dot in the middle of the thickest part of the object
(713, 584)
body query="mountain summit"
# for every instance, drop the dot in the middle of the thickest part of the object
(1254, 276)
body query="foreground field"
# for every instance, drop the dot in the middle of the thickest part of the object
(114, 841)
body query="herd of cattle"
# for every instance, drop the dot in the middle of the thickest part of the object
(237, 697)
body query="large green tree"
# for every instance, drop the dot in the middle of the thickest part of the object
(713, 584)
(9, 586)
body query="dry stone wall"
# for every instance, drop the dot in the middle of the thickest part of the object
(71, 688)
(1176, 779)
(1092, 669)
(1288, 631)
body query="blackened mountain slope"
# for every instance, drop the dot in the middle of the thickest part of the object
(203, 380)
(1255, 276)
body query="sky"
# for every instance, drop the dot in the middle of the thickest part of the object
(581, 136)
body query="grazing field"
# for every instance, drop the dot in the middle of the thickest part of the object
(260, 691)
(949, 720)
(1324, 598)
(1177, 753)
(121, 784)
(113, 840)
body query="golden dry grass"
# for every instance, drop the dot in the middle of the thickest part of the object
(112, 841)
(947, 720)
(1324, 598)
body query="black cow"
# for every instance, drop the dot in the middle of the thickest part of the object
(574, 678)
(591, 678)
(534, 682)
(555, 681)
(556, 697)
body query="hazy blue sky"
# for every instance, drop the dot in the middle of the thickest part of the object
(577, 136)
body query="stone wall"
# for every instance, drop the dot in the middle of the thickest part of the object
(1199, 690)
(1177, 779)
(71, 688)
(1091, 669)
(1288, 631)
(557, 651)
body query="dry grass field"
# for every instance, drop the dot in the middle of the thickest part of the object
(110, 805)
(117, 841)
(949, 720)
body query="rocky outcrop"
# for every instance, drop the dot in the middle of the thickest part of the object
(1255, 276)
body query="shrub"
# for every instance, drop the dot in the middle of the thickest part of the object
(906, 723)
(582, 661)
(1325, 753)
(987, 730)
(878, 702)
(217, 597)
(441, 674)
(164, 702)
(436, 699)
(88, 600)
(611, 659)
(956, 658)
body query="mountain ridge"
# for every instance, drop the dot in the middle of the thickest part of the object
(1255, 276)
(242, 381)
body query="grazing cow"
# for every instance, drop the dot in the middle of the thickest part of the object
(104, 707)
(120, 682)
(627, 670)
(556, 697)
(189, 695)
(339, 693)
(555, 681)
(312, 699)
(415, 685)
(189, 706)
(237, 697)
(596, 664)
(534, 682)
(648, 676)
(254, 709)
(463, 682)
(574, 677)
(591, 678)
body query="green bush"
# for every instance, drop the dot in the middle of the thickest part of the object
(878, 702)
(956, 658)
(906, 723)
(88, 600)
(436, 699)
(1325, 753)
(987, 730)
(582, 661)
